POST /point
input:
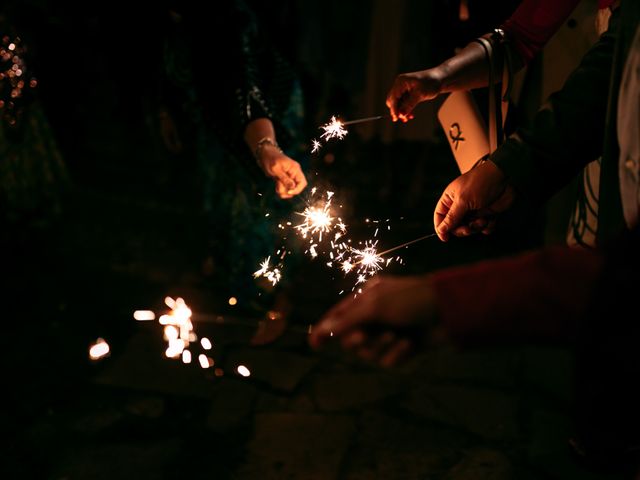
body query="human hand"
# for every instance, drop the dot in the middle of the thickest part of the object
(286, 172)
(410, 89)
(474, 197)
(385, 323)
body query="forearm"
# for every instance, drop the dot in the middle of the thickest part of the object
(467, 70)
(258, 129)
(536, 296)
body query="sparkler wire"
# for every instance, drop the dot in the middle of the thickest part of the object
(363, 120)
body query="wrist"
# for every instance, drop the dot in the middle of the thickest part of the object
(263, 147)
(435, 80)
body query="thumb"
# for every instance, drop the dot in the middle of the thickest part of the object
(448, 214)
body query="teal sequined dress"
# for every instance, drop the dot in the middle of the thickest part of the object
(222, 82)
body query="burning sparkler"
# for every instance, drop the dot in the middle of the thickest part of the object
(335, 129)
(272, 274)
(179, 334)
(318, 219)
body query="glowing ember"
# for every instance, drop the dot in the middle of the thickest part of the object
(186, 356)
(205, 362)
(144, 315)
(206, 343)
(244, 371)
(99, 349)
(233, 301)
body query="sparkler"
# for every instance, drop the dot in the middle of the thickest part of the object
(318, 219)
(272, 274)
(335, 129)
(179, 334)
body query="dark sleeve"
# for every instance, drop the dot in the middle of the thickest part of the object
(538, 296)
(236, 69)
(567, 132)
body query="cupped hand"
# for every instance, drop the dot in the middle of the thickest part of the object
(469, 203)
(410, 89)
(287, 173)
(384, 324)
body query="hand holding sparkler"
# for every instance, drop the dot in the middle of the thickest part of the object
(260, 137)
(480, 193)
(287, 173)
(385, 323)
(410, 89)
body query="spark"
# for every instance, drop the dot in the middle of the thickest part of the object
(244, 371)
(186, 356)
(272, 274)
(99, 349)
(144, 315)
(205, 362)
(206, 343)
(315, 146)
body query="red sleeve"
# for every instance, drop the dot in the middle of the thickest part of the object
(535, 296)
(534, 22)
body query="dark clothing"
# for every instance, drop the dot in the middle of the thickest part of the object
(584, 298)
(223, 73)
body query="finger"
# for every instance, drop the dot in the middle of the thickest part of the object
(376, 346)
(392, 100)
(451, 219)
(405, 106)
(397, 353)
(347, 315)
(462, 231)
(299, 181)
(282, 190)
(354, 339)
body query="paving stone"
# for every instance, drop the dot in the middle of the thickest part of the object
(343, 391)
(390, 447)
(549, 450)
(122, 460)
(280, 370)
(268, 402)
(147, 407)
(297, 446)
(142, 366)
(549, 433)
(549, 371)
(488, 367)
(232, 405)
(485, 412)
(483, 464)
